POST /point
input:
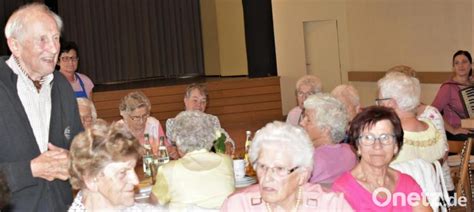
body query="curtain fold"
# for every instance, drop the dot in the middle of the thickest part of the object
(123, 40)
(6, 9)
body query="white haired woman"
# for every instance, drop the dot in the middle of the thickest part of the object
(102, 166)
(199, 178)
(428, 112)
(305, 86)
(87, 112)
(325, 121)
(282, 155)
(421, 138)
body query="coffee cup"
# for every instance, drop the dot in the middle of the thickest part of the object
(239, 168)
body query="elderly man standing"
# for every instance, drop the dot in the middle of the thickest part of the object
(39, 115)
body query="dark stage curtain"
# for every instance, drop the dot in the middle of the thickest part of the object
(124, 40)
(6, 9)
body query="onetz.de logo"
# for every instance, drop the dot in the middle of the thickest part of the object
(413, 199)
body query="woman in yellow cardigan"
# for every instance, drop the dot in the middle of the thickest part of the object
(199, 178)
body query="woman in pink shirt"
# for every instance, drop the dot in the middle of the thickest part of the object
(372, 185)
(448, 100)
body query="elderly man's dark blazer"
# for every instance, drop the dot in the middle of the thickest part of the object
(18, 145)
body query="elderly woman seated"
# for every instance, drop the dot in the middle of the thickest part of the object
(348, 96)
(325, 121)
(282, 155)
(199, 178)
(305, 86)
(378, 136)
(421, 138)
(102, 166)
(87, 112)
(135, 110)
(196, 99)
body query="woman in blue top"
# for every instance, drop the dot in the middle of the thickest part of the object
(68, 62)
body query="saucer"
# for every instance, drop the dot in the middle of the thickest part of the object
(244, 182)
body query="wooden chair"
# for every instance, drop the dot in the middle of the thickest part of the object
(463, 185)
(455, 146)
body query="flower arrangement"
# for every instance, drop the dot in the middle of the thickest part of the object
(219, 143)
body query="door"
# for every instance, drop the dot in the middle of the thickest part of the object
(322, 52)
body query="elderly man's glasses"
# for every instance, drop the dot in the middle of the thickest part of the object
(278, 171)
(384, 139)
(139, 118)
(69, 59)
(379, 101)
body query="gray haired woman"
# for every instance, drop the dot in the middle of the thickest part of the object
(199, 178)
(282, 155)
(421, 138)
(305, 86)
(325, 121)
(135, 110)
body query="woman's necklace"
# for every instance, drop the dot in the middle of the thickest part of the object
(269, 209)
(374, 185)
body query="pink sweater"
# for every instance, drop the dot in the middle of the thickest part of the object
(313, 199)
(331, 161)
(449, 102)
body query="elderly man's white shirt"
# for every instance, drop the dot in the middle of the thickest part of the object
(37, 105)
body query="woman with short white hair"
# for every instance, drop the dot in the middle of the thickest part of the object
(325, 121)
(282, 156)
(421, 139)
(305, 86)
(199, 178)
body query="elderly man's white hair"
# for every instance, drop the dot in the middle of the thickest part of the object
(310, 80)
(348, 96)
(330, 113)
(193, 130)
(287, 138)
(405, 90)
(16, 22)
(348, 93)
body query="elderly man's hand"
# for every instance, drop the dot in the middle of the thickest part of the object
(52, 164)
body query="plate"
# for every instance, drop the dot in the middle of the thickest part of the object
(140, 196)
(244, 182)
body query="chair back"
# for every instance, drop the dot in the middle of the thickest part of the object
(463, 187)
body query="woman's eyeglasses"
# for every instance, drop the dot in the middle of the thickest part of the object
(379, 101)
(69, 59)
(139, 118)
(277, 170)
(369, 140)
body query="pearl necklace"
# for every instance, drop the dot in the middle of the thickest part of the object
(269, 209)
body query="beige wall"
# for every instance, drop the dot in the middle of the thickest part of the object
(288, 18)
(373, 36)
(223, 37)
